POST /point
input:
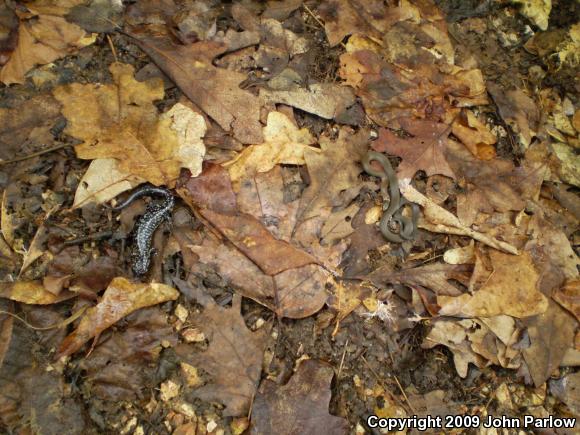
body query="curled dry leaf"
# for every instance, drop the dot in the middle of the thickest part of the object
(124, 124)
(233, 358)
(121, 298)
(510, 289)
(41, 40)
(300, 406)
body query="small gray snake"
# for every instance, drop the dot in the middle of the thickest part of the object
(407, 226)
(147, 223)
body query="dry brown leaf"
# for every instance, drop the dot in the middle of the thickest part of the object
(27, 123)
(327, 100)
(42, 39)
(124, 124)
(103, 181)
(284, 143)
(510, 289)
(300, 406)
(551, 334)
(456, 336)
(436, 277)
(124, 366)
(569, 297)
(332, 171)
(215, 90)
(295, 293)
(439, 220)
(425, 150)
(32, 292)
(518, 110)
(233, 358)
(474, 135)
(121, 298)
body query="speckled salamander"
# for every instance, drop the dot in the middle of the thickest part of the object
(155, 213)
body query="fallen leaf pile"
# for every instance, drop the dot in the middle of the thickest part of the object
(273, 303)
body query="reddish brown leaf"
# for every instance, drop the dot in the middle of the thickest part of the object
(215, 90)
(569, 297)
(300, 406)
(211, 189)
(233, 358)
(425, 150)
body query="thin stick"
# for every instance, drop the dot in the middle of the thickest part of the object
(342, 359)
(46, 328)
(320, 23)
(110, 41)
(38, 153)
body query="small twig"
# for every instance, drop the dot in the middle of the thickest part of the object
(61, 324)
(94, 236)
(320, 23)
(110, 41)
(38, 153)
(342, 359)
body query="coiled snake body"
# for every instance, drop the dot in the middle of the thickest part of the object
(393, 213)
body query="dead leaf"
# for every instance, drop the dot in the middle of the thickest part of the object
(121, 298)
(511, 289)
(436, 277)
(518, 110)
(332, 171)
(425, 150)
(103, 181)
(215, 90)
(439, 220)
(551, 334)
(32, 292)
(41, 40)
(300, 406)
(295, 293)
(284, 143)
(123, 367)
(27, 124)
(569, 297)
(327, 100)
(474, 135)
(233, 358)
(538, 11)
(124, 124)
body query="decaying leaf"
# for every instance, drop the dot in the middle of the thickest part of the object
(123, 366)
(121, 298)
(425, 150)
(42, 39)
(439, 220)
(551, 334)
(538, 11)
(332, 171)
(284, 143)
(510, 289)
(124, 124)
(569, 297)
(300, 406)
(326, 100)
(32, 292)
(233, 358)
(215, 90)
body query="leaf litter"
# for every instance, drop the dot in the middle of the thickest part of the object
(273, 302)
